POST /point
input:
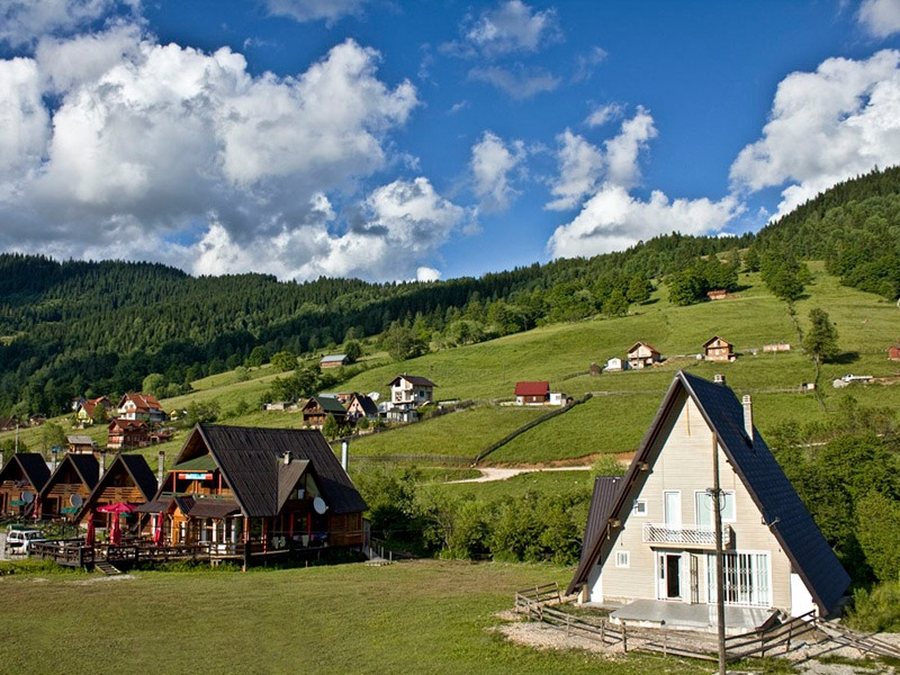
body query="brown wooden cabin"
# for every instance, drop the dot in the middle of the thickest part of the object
(532, 393)
(239, 485)
(126, 434)
(718, 349)
(129, 480)
(643, 355)
(25, 472)
(317, 409)
(359, 406)
(69, 486)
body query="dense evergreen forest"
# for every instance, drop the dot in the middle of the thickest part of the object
(81, 328)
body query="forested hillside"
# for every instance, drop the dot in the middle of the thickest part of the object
(73, 328)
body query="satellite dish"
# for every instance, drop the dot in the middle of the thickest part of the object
(320, 506)
(374, 395)
(27, 497)
(76, 501)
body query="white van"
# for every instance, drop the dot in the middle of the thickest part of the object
(20, 541)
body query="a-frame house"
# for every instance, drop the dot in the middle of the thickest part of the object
(129, 482)
(70, 486)
(21, 481)
(650, 538)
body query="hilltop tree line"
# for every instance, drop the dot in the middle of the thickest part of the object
(87, 328)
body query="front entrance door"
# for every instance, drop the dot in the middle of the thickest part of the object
(669, 576)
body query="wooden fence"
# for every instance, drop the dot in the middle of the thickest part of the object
(536, 604)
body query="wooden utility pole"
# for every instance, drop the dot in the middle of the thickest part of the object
(720, 558)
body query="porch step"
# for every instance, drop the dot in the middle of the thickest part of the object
(107, 568)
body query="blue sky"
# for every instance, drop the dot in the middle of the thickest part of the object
(401, 140)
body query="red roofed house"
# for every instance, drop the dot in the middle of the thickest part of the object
(145, 407)
(894, 352)
(124, 434)
(532, 393)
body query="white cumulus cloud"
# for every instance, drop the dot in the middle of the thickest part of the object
(603, 114)
(491, 164)
(880, 18)
(22, 22)
(165, 152)
(580, 167)
(613, 220)
(315, 10)
(519, 82)
(824, 127)
(513, 26)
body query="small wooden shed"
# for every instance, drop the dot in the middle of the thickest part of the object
(718, 349)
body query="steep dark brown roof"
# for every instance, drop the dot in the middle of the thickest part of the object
(606, 489)
(773, 494)
(33, 467)
(86, 466)
(137, 468)
(250, 459)
(413, 379)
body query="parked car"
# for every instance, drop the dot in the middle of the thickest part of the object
(20, 541)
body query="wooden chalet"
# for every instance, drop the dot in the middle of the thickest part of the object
(360, 406)
(643, 355)
(718, 349)
(317, 409)
(135, 406)
(532, 393)
(81, 444)
(125, 434)
(128, 483)
(69, 486)
(267, 490)
(21, 480)
(333, 361)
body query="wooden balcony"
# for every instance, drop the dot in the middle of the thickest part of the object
(660, 534)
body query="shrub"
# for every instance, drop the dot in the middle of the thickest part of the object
(876, 610)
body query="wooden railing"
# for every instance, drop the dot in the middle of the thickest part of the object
(537, 605)
(662, 534)
(769, 641)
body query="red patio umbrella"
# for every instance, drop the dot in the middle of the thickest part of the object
(115, 535)
(157, 536)
(118, 507)
(89, 537)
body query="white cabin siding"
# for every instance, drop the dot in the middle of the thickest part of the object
(685, 464)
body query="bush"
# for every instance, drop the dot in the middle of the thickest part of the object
(876, 610)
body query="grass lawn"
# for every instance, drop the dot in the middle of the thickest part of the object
(459, 434)
(419, 617)
(545, 482)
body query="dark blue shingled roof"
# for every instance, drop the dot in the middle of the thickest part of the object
(778, 502)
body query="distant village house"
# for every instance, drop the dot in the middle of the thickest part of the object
(643, 355)
(776, 347)
(411, 390)
(532, 393)
(717, 294)
(361, 406)
(615, 364)
(126, 434)
(333, 361)
(317, 409)
(81, 444)
(894, 352)
(718, 349)
(144, 407)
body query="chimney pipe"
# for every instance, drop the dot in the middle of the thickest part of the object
(719, 378)
(54, 459)
(748, 416)
(102, 463)
(287, 457)
(345, 453)
(160, 467)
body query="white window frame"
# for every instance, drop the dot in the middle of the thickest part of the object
(725, 519)
(762, 599)
(623, 559)
(636, 512)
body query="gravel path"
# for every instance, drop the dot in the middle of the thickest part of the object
(488, 474)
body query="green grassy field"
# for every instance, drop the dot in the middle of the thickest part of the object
(418, 617)
(624, 403)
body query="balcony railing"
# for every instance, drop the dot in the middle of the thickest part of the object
(661, 534)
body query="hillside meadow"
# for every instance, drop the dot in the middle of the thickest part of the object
(623, 404)
(414, 617)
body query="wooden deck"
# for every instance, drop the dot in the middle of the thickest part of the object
(74, 552)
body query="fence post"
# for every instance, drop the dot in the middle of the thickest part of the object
(624, 638)
(603, 631)
(787, 645)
